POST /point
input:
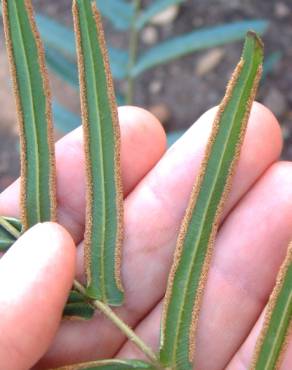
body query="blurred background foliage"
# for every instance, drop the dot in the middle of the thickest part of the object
(170, 56)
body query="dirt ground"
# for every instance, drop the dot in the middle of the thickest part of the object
(182, 90)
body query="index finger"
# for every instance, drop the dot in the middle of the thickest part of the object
(143, 142)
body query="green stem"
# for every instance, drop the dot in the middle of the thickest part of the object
(129, 333)
(133, 45)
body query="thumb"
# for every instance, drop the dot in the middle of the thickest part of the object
(36, 275)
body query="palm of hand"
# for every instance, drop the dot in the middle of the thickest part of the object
(251, 244)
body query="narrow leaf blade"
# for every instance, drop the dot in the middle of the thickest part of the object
(119, 12)
(277, 326)
(194, 41)
(111, 365)
(31, 89)
(66, 68)
(77, 308)
(56, 35)
(65, 120)
(119, 60)
(154, 9)
(196, 238)
(62, 66)
(271, 63)
(10, 229)
(59, 41)
(120, 99)
(103, 235)
(173, 136)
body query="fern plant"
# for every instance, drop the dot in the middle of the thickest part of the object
(104, 215)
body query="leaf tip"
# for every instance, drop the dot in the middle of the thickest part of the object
(253, 41)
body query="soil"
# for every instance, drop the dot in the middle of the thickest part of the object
(180, 91)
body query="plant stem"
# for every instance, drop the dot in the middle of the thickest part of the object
(129, 333)
(134, 33)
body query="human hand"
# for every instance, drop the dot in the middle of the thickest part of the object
(37, 273)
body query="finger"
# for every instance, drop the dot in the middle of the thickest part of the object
(287, 356)
(142, 144)
(148, 331)
(162, 197)
(242, 359)
(153, 212)
(33, 290)
(249, 251)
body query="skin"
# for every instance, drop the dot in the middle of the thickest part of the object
(250, 247)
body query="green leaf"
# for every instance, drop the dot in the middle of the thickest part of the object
(196, 238)
(26, 57)
(157, 7)
(111, 365)
(119, 60)
(56, 35)
(10, 229)
(103, 234)
(76, 307)
(67, 69)
(65, 120)
(16, 224)
(119, 12)
(278, 321)
(271, 62)
(60, 44)
(120, 99)
(173, 136)
(62, 66)
(197, 40)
